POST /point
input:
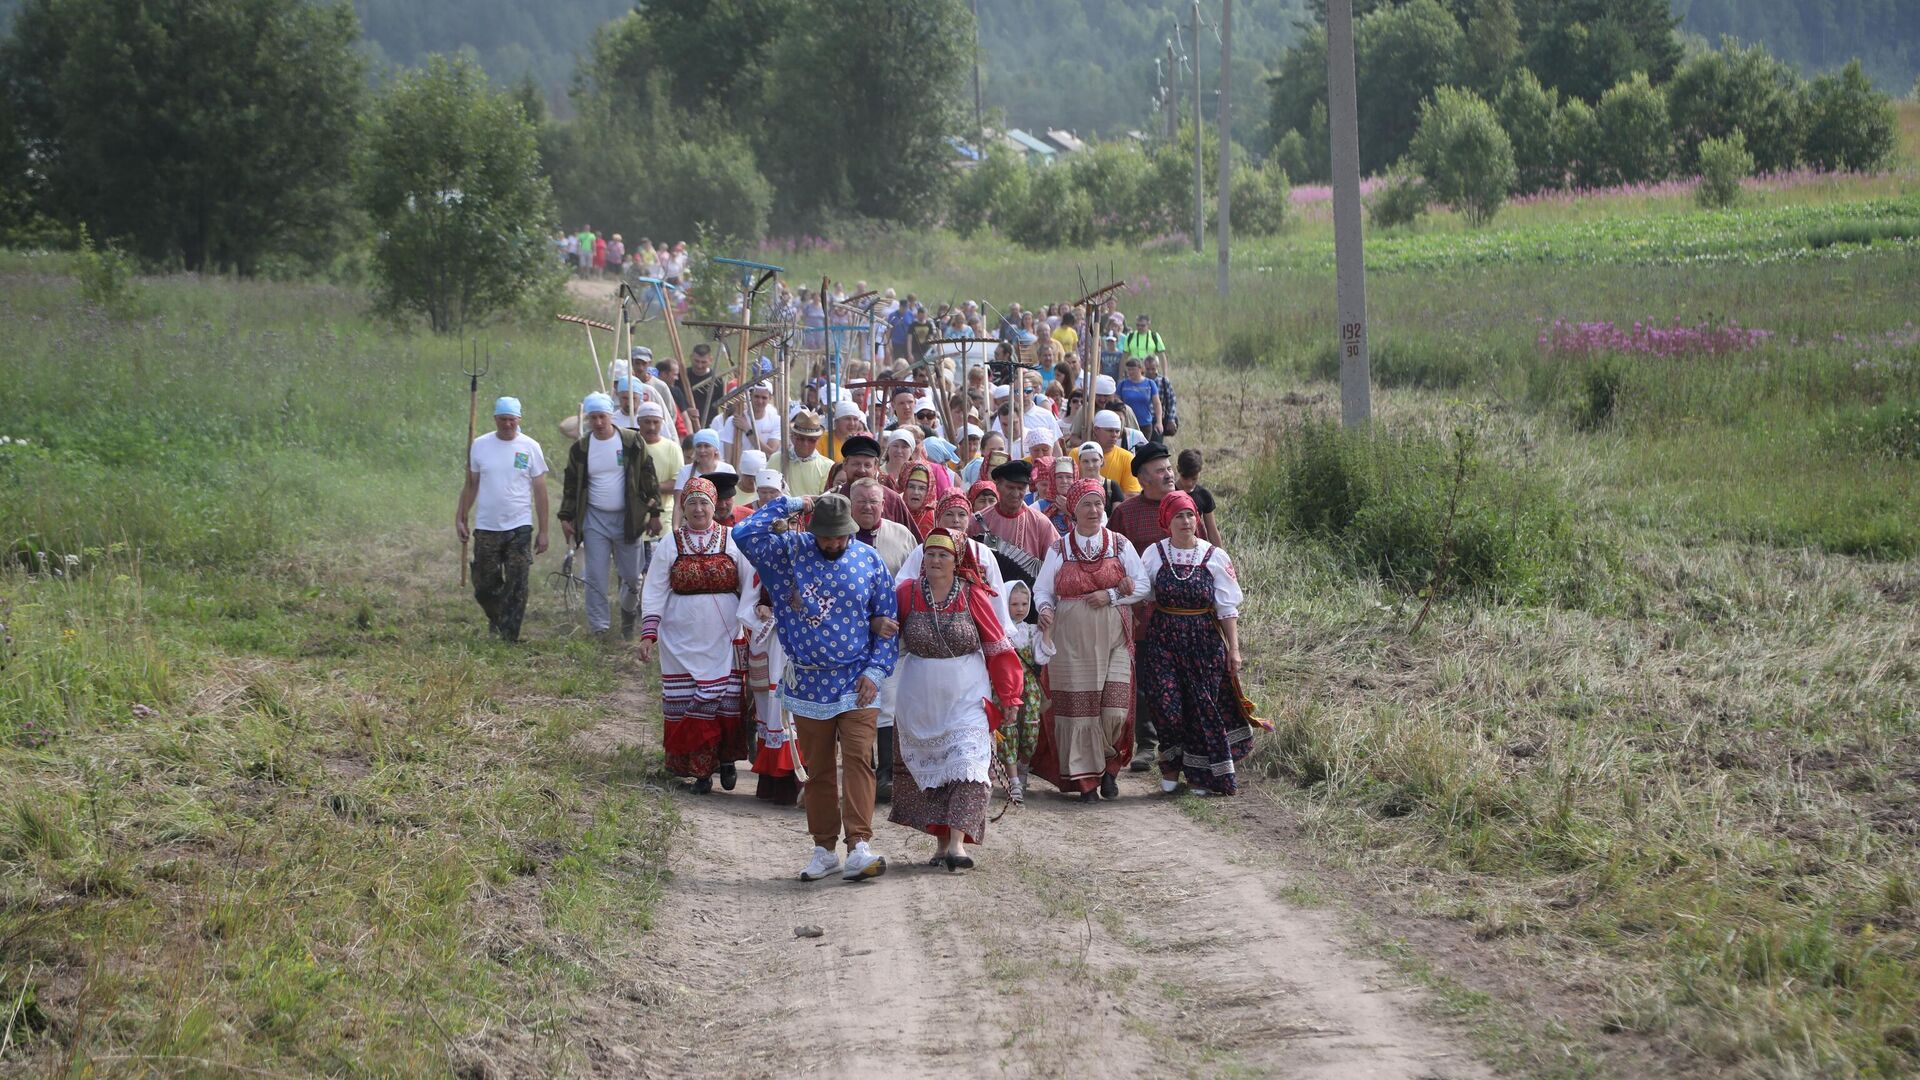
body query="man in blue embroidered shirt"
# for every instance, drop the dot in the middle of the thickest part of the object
(830, 593)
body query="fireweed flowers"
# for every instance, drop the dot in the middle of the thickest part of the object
(1564, 338)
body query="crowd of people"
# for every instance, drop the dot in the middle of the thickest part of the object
(934, 571)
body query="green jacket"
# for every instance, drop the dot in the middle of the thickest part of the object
(643, 486)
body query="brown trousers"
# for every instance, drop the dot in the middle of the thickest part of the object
(847, 801)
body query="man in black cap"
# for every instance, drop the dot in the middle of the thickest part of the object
(1018, 533)
(726, 486)
(859, 459)
(1138, 519)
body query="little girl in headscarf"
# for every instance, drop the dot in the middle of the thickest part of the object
(1022, 726)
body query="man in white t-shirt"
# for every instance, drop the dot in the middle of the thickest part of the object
(507, 497)
(765, 422)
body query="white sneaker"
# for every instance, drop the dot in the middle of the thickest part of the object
(1168, 787)
(824, 863)
(863, 863)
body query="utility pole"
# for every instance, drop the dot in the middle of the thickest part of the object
(979, 123)
(1350, 265)
(1222, 228)
(1199, 144)
(1173, 98)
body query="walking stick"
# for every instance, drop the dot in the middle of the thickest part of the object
(473, 374)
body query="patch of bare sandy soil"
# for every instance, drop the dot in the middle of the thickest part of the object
(1117, 939)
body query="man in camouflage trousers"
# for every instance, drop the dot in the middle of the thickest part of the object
(507, 496)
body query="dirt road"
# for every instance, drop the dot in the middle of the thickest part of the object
(1118, 939)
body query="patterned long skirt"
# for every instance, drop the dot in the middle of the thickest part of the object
(1183, 665)
(1087, 730)
(960, 805)
(705, 724)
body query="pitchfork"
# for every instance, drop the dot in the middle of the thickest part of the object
(473, 374)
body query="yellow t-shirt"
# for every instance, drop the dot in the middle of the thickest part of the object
(667, 460)
(808, 476)
(1119, 469)
(1068, 337)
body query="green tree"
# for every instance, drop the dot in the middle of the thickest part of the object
(1115, 177)
(1402, 54)
(1723, 164)
(1636, 143)
(1583, 48)
(992, 195)
(450, 176)
(1290, 154)
(1526, 110)
(1492, 45)
(1463, 153)
(1850, 125)
(1714, 94)
(206, 133)
(865, 111)
(1577, 144)
(1057, 214)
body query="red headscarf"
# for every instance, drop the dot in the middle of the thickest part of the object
(1171, 504)
(979, 488)
(1081, 489)
(951, 498)
(1043, 477)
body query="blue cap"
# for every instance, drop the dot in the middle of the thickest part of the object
(597, 402)
(707, 437)
(506, 406)
(940, 450)
(622, 384)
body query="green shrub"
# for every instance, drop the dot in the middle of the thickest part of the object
(1602, 387)
(1379, 502)
(1463, 154)
(1723, 164)
(1248, 349)
(1426, 365)
(1400, 200)
(105, 275)
(1892, 429)
(1261, 197)
(1862, 232)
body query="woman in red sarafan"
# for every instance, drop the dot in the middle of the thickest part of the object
(690, 615)
(1089, 578)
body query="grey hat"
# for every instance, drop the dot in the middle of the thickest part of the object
(832, 516)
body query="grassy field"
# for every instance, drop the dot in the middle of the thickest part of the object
(269, 802)
(1687, 786)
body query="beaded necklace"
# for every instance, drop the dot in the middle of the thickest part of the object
(1073, 548)
(1179, 573)
(705, 544)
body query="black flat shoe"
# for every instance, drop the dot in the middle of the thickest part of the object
(703, 786)
(729, 776)
(959, 862)
(1109, 787)
(1089, 796)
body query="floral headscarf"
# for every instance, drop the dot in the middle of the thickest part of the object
(1082, 490)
